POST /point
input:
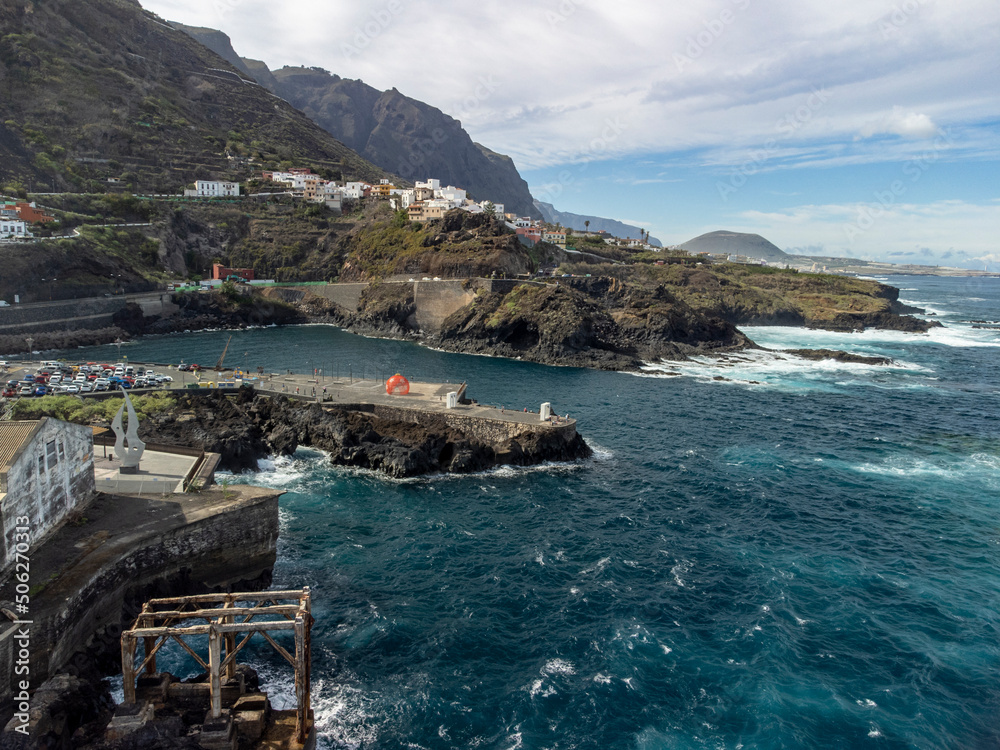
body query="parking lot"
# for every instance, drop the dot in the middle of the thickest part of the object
(47, 378)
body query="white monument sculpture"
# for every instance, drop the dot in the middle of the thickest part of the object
(129, 455)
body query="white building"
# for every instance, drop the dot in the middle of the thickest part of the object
(13, 228)
(46, 471)
(432, 185)
(213, 189)
(455, 196)
(331, 195)
(356, 190)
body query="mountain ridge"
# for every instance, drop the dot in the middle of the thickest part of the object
(597, 223)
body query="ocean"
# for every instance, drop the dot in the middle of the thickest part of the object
(762, 553)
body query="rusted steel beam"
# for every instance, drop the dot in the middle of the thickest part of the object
(222, 625)
(128, 667)
(213, 614)
(236, 627)
(247, 597)
(278, 647)
(301, 696)
(149, 647)
(214, 677)
(190, 651)
(231, 655)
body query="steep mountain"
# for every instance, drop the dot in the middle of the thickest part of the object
(217, 41)
(220, 43)
(105, 89)
(736, 243)
(404, 136)
(597, 223)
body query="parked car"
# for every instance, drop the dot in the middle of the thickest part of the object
(101, 384)
(86, 386)
(27, 390)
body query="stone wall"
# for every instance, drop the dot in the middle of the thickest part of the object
(494, 432)
(48, 479)
(71, 315)
(436, 300)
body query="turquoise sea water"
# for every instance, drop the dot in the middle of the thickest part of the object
(799, 555)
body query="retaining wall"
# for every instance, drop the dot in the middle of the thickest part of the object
(494, 432)
(71, 315)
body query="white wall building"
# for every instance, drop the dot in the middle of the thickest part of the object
(13, 228)
(213, 189)
(46, 471)
(356, 190)
(456, 196)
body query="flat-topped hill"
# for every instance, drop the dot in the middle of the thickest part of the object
(735, 243)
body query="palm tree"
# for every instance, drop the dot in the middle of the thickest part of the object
(586, 225)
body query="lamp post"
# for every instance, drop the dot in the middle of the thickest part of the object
(118, 343)
(30, 341)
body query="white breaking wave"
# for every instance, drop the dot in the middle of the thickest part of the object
(765, 368)
(982, 466)
(872, 341)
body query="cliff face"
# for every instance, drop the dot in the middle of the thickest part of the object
(404, 136)
(601, 323)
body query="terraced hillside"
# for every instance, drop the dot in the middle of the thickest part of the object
(105, 89)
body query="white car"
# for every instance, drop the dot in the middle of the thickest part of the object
(101, 384)
(70, 388)
(86, 386)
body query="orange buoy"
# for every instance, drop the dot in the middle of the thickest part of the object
(397, 385)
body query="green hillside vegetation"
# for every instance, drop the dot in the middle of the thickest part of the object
(104, 89)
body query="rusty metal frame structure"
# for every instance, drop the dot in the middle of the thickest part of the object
(160, 622)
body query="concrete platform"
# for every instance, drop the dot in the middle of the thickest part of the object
(159, 473)
(427, 396)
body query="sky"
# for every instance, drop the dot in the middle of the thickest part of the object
(860, 128)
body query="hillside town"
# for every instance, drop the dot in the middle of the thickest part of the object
(425, 201)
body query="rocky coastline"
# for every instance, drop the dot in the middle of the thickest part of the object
(251, 427)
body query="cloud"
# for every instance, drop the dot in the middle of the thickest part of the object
(747, 74)
(911, 125)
